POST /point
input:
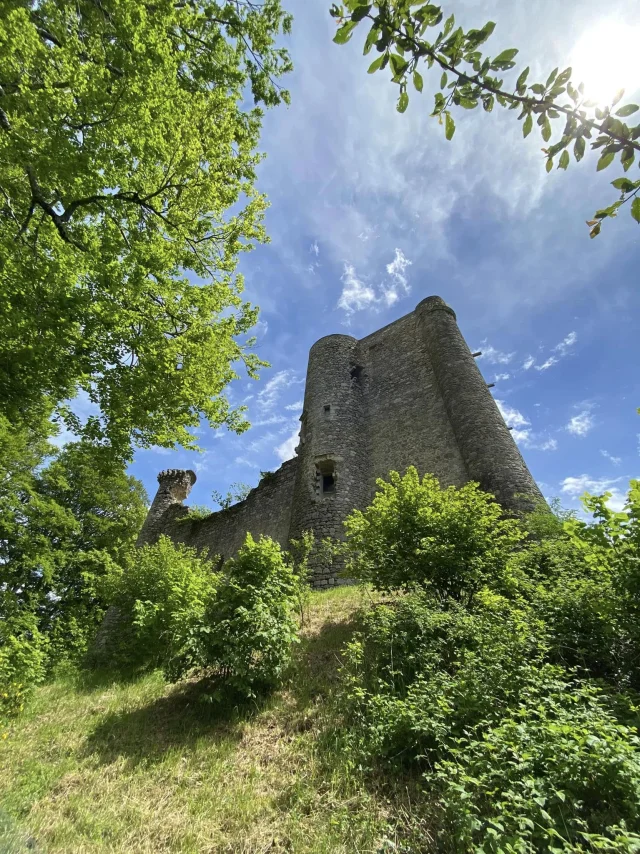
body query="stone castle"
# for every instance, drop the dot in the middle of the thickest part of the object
(409, 394)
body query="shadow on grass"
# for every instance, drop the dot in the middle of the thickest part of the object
(315, 668)
(178, 720)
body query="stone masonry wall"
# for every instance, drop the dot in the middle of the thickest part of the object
(408, 422)
(266, 510)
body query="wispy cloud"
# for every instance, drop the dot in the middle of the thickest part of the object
(546, 364)
(243, 461)
(521, 429)
(269, 395)
(314, 248)
(576, 486)
(358, 295)
(528, 363)
(287, 450)
(615, 460)
(564, 346)
(493, 356)
(501, 378)
(581, 423)
(295, 407)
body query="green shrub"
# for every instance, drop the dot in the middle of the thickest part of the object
(237, 624)
(415, 533)
(251, 622)
(162, 596)
(22, 657)
(515, 753)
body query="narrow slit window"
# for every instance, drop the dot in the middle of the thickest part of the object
(327, 409)
(328, 484)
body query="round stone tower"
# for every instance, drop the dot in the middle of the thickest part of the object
(488, 450)
(174, 486)
(332, 475)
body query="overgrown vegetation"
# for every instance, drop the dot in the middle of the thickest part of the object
(237, 625)
(506, 676)
(483, 697)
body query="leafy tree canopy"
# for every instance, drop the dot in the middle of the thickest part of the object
(127, 171)
(400, 30)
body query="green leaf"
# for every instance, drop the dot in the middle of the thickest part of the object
(537, 88)
(627, 110)
(605, 160)
(468, 103)
(344, 32)
(546, 130)
(635, 209)
(403, 102)
(443, 80)
(624, 185)
(487, 103)
(360, 13)
(448, 24)
(522, 79)
(418, 82)
(549, 165)
(506, 55)
(527, 126)
(551, 78)
(564, 160)
(377, 64)
(449, 126)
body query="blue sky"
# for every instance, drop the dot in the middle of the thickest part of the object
(372, 211)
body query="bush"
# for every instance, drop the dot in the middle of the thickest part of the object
(178, 614)
(22, 657)
(415, 533)
(515, 753)
(505, 677)
(251, 621)
(162, 596)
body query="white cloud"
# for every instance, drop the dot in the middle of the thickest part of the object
(576, 486)
(528, 363)
(243, 461)
(564, 346)
(269, 395)
(287, 450)
(495, 357)
(355, 294)
(314, 248)
(581, 423)
(295, 407)
(545, 365)
(521, 429)
(501, 377)
(272, 419)
(615, 460)
(586, 483)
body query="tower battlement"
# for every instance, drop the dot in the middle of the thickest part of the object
(409, 394)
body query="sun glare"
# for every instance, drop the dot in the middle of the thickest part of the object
(606, 58)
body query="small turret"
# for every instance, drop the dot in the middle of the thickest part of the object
(175, 486)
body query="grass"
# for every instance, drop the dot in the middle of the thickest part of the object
(149, 767)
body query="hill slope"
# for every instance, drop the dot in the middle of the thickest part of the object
(151, 767)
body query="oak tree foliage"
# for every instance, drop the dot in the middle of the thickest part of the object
(127, 173)
(410, 37)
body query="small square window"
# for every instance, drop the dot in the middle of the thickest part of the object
(327, 409)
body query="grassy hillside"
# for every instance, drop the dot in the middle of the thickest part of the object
(151, 767)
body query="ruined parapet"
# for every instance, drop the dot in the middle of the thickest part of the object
(332, 470)
(174, 486)
(490, 454)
